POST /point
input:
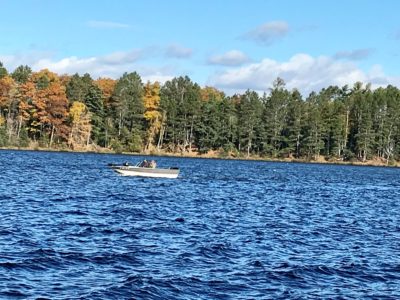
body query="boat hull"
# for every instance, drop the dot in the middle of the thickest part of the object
(146, 172)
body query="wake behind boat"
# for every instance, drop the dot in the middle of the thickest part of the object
(146, 169)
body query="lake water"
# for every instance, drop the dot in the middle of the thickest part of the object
(71, 228)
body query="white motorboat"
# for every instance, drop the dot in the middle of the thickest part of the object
(145, 169)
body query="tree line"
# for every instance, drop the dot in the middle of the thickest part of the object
(77, 112)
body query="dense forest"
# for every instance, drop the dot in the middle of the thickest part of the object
(46, 110)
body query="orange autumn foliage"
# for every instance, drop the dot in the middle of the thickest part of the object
(210, 93)
(106, 85)
(7, 84)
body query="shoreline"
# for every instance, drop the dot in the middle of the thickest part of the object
(214, 155)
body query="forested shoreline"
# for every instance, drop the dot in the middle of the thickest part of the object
(77, 113)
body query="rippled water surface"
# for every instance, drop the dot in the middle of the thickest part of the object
(71, 228)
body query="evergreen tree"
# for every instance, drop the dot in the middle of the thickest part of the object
(228, 120)
(78, 87)
(180, 102)
(3, 70)
(208, 127)
(249, 122)
(94, 103)
(313, 130)
(275, 117)
(386, 104)
(362, 134)
(21, 74)
(292, 131)
(128, 108)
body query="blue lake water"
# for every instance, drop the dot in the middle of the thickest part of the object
(71, 228)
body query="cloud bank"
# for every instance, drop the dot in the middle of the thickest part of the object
(357, 54)
(268, 33)
(112, 65)
(302, 71)
(177, 51)
(230, 58)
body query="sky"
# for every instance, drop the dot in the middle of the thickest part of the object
(232, 45)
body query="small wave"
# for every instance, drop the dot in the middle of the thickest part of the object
(11, 293)
(217, 250)
(75, 212)
(109, 231)
(9, 265)
(5, 232)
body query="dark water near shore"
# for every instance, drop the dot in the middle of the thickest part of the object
(70, 228)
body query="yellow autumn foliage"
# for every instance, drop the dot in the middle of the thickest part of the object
(81, 126)
(51, 76)
(152, 114)
(77, 110)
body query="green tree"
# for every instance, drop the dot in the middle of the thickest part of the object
(386, 121)
(207, 129)
(78, 87)
(21, 74)
(180, 101)
(94, 103)
(3, 70)
(228, 120)
(128, 108)
(275, 118)
(292, 131)
(314, 128)
(362, 135)
(249, 121)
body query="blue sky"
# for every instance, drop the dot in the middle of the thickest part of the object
(232, 45)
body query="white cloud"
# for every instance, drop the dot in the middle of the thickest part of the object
(302, 71)
(107, 25)
(122, 57)
(161, 78)
(28, 58)
(357, 54)
(230, 58)
(67, 65)
(111, 65)
(268, 33)
(152, 74)
(177, 51)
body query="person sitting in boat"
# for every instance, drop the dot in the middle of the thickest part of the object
(152, 164)
(144, 164)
